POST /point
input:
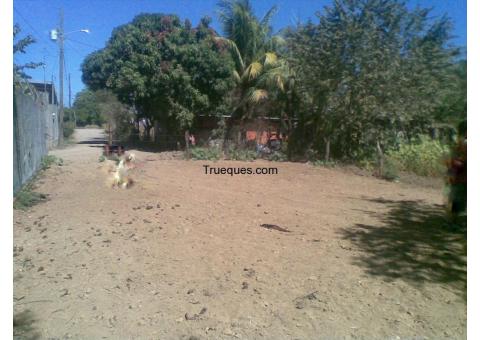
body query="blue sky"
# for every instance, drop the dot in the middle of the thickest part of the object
(38, 17)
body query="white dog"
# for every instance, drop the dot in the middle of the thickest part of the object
(121, 176)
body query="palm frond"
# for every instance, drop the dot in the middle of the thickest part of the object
(236, 76)
(257, 95)
(278, 41)
(265, 22)
(253, 70)
(279, 82)
(270, 58)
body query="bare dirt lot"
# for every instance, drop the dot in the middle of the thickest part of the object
(182, 255)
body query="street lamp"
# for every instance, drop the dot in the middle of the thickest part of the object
(55, 33)
(85, 30)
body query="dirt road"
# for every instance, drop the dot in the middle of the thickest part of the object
(182, 254)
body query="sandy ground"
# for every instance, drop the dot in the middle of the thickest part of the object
(182, 255)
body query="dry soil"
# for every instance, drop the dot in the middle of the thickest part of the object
(183, 255)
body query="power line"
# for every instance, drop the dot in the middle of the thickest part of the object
(74, 48)
(38, 35)
(82, 43)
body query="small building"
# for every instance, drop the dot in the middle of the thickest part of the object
(259, 130)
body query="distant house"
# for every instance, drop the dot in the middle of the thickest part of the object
(259, 130)
(48, 96)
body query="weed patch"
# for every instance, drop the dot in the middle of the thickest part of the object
(206, 154)
(27, 198)
(49, 160)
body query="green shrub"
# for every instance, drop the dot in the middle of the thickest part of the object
(101, 158)
(391, 169)
(367, 164)
(68, 129)
(241, 154)
(278, 156)
(205, 154)
(27, 198)
(49, 160)
(329, 164)
(423, 157)
(311, 155)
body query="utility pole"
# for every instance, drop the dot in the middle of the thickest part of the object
(69, 92)
(70, 103)
(51, 92)
(61, 37)
(44, 74)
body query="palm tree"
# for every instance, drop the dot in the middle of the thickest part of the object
(258, 69)
(252, 36)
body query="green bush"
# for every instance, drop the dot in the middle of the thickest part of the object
(205, 154)
(241, 154)
(49, 160)
(391, 169)
(278, 156)
(329, 164)
(68, 129)
(423, 157)
(27, 198)
(367, 164)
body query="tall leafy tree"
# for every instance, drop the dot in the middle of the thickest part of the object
(453, 107)
(86, 108)
(372, 71)
(167, 69)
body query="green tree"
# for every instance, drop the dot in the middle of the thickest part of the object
(259, 73)
(19, 46)
(86, 109)
(453, 107)
(118, 117)
(252, 36)
(371, 72)
(168, 70)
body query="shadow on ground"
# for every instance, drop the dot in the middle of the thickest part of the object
(23, 326)
(148, 146)
(94, 141)
(145, 146)
(412, 241)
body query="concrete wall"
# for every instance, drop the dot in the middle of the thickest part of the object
(31, 127)
(51, 123)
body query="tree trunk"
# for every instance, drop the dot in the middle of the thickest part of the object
(110, 133)
(228, 130)
(327, 149)
(242, 133)
(381, 159)
(187, 144)
(156, 130)
(148, 128)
